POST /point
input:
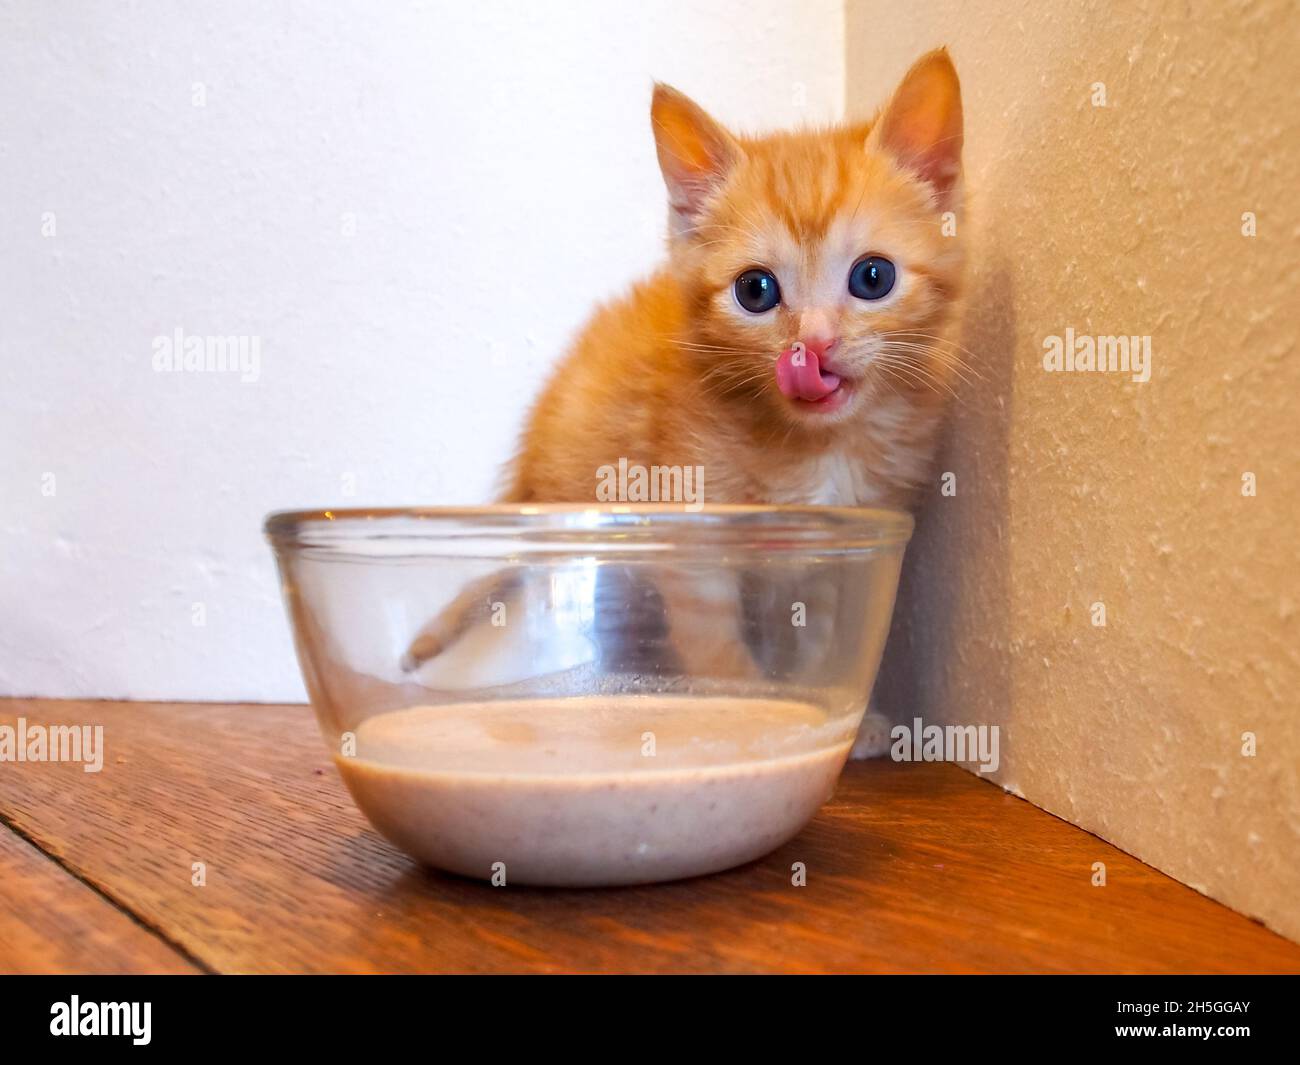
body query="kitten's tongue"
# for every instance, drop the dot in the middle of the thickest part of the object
(805, 382)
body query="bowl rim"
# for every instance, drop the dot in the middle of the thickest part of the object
(865, 526)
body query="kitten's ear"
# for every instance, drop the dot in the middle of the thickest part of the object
(695, 152)
(921, 126)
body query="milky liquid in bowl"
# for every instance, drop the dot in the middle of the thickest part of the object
(595, 790)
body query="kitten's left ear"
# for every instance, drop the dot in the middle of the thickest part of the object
(695, 152)
(921, 126)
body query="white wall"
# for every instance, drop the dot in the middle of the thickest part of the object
(410, 206)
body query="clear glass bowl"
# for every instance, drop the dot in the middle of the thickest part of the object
(578, 695)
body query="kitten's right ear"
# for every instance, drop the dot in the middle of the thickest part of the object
(922, 125)
(695, 152)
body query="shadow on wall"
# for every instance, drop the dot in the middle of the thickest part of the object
(952, 622)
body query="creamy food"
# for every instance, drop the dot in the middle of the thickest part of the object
(595, 790)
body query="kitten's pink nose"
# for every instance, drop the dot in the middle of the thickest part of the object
(817, 331)
(820, 345)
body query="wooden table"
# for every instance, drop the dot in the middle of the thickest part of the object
(910, 868)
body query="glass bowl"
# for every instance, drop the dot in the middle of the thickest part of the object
(581, 696)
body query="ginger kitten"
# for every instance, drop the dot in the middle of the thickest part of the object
(796, 343)
(794, 346)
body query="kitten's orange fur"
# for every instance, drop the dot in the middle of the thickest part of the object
(676, 373)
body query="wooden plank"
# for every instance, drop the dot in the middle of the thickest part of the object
(910, 868)
(51, 922)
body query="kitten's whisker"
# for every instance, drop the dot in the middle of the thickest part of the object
(938, 339)
(946, 357)
(972, 365)
(902, 371)
(702, 348)
(923, 368)
(733, 382)
(957, 371)
(920, 373)
(967, 374)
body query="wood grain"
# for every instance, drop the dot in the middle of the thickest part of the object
(50, 922)
(911, 868)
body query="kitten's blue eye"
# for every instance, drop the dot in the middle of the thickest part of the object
(757, 291)
(871, 278)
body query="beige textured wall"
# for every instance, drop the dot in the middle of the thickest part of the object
(1075, 489)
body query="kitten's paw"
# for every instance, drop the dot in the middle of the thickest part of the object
(873, 736)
